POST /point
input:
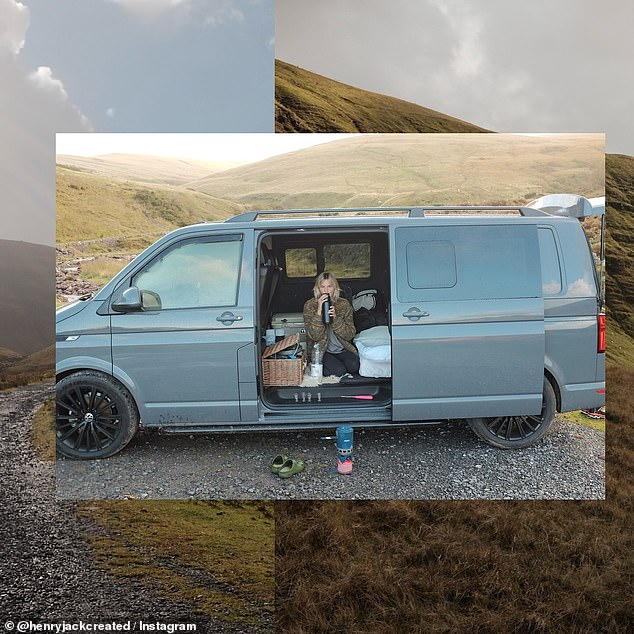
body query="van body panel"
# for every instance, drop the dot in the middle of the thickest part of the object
(600, 371)
(180, 375)
(84, 359)
(455, 370)
(83, 339)
(571, 345)
(247, 385)
(582, 396)
(461, 346)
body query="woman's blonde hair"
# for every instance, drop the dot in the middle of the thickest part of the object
(327, 276)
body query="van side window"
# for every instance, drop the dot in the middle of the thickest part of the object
(301, 262)
(193, 274)
(347, 260)
(551, 270)
(467, 262)
(431, 264)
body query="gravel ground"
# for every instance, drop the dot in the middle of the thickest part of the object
(46, 570)
(438, 462)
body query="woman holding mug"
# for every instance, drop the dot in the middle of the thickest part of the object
(328, 320)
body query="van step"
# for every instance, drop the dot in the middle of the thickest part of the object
(357, 396)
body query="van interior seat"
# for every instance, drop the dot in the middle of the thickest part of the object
(269, 278)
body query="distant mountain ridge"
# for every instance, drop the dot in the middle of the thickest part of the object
(405, 169)
(308, 102)
(27, 292)
(144, 169)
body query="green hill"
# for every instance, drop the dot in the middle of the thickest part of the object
(619, 183)
(307, 102)
(403, 169)
(92, 207)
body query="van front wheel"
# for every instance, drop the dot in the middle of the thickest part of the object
(517, 432)
(95, 416)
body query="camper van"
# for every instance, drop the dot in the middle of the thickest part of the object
(489, 315)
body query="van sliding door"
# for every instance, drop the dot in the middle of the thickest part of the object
(467, 320)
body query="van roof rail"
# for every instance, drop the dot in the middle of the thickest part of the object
(412, 212)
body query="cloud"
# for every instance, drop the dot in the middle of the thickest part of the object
(110, 112)
(507, 65)
(33, 107)
(14, 22)
(153, 9)
(207, 12)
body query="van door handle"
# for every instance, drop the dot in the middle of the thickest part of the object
(227, 318)
(414, 314)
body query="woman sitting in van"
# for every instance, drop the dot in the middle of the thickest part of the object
(334, 338)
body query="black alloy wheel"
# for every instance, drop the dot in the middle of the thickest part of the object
(95, 416)
(517, 432)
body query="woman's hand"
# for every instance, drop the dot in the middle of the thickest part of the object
(320, 303)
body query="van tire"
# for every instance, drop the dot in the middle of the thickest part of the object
(95, 416)
(517, 432)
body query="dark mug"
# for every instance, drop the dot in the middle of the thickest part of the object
(325, 310)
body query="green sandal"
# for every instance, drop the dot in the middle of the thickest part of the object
(291, 467)
(278, 463)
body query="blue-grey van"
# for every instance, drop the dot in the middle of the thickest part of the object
(493, 315)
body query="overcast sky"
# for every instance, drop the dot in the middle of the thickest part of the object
(121, 65)
(226, 148)
(506, 65)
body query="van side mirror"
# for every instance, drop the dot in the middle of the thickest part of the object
(129, 301)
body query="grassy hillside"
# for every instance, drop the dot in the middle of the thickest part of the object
(8, 357)
(462, 566)
(399, 169)
(146, 169)
(34, 367)
(307, 102)
(217, 557)
(94, 207)
(619, 179)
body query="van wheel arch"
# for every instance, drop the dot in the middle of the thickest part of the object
(518, 432)
(95, 415)
(553, 382)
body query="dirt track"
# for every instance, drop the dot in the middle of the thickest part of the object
(46, 569)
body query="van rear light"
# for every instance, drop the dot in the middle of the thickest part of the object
(601, 341)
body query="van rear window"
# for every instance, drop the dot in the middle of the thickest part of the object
(347, 260)
(342, 260)
(301, 262)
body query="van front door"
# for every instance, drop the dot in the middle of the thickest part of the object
(467, 320)
(190, 351)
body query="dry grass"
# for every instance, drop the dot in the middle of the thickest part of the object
(307, 102)
(417, 169)
(43, 431)
(398, 566)
(101, 270)
(91, 207)
(217, 557)
(31, 369)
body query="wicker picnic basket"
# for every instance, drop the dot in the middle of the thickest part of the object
(282, 371)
